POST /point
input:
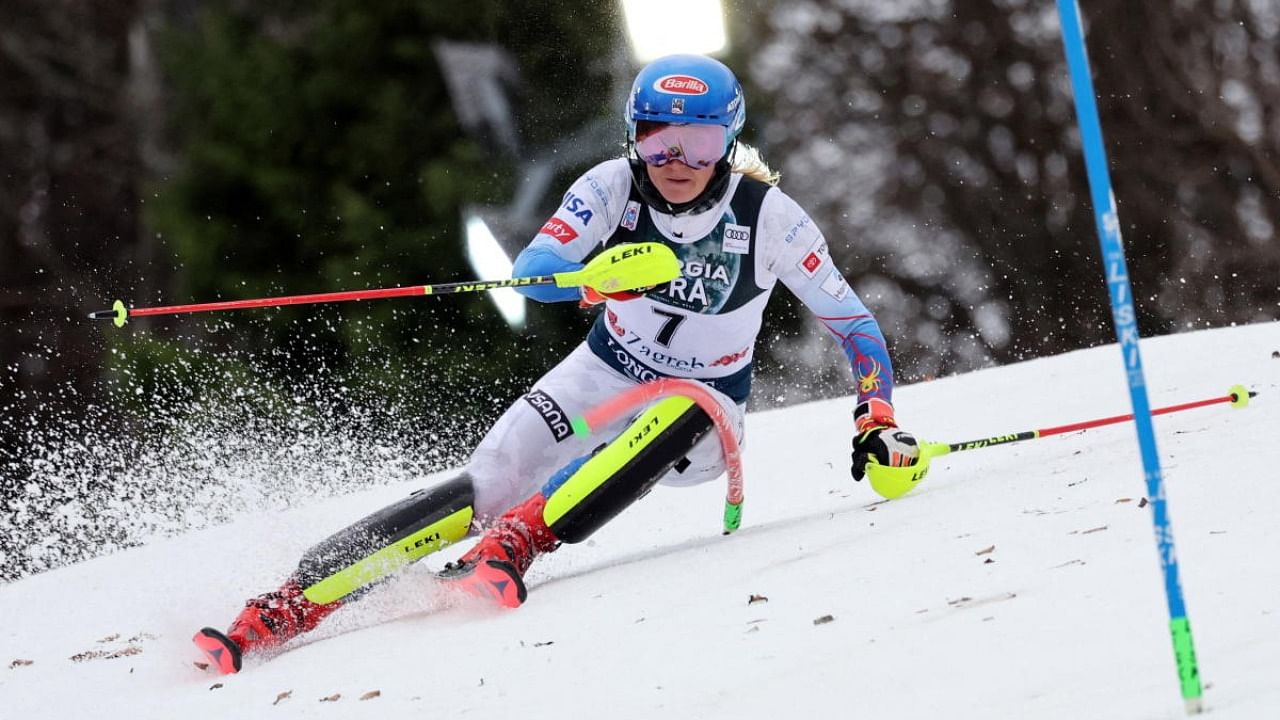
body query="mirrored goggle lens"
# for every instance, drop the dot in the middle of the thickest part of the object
(697, 146)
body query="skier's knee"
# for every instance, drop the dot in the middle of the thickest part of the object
(592, 490)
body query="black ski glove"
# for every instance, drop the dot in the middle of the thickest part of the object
(878, 436)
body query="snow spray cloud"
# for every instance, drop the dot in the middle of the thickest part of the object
(188, 435)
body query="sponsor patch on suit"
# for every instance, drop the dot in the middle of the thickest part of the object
(631, 215)
(560, 230)
(551, 412)
(835, 285)
(813, 260)
(737, 239)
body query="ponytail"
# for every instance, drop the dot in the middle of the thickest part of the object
(747, 161)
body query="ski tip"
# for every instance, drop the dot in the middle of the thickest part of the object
(221, 651)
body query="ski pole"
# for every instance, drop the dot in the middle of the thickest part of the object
(626, 401)
(622, 267)
(1238, 396)
(891, 482)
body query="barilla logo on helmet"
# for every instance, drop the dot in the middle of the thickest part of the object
(680, 85)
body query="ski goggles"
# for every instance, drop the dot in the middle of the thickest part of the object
(698, 146)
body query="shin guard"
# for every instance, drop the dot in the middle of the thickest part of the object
(356, 558)
(591, 491)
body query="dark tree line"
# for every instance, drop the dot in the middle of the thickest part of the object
(75, 110)
(169, 151)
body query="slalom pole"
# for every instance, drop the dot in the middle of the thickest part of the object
(1122, 311)
(621, 267)
(894, 482)
(645, 393)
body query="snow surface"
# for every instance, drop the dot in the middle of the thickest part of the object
(1064, 618)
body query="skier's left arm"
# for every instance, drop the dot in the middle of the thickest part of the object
(796, 252)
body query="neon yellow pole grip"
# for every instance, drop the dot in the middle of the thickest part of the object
(625, 267)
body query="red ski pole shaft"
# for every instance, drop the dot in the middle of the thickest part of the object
(119, 313)
(1238, 396)
(622, 267)
(1072, 427)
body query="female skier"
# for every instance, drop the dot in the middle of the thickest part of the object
(532, 484)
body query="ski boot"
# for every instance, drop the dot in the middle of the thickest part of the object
(267, 621)
(494, 568)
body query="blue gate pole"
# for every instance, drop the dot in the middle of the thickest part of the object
(1125, 319)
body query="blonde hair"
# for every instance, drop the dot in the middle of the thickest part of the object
(747, 161)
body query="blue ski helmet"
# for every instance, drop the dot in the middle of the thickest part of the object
(691, 89)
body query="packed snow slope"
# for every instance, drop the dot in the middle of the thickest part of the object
(1017, 582)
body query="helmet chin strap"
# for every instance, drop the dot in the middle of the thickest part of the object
(707, 199)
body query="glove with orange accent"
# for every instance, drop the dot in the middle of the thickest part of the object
(592, 297)
(879, 437)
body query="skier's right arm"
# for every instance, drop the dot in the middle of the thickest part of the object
(588, 214)
(537, 260)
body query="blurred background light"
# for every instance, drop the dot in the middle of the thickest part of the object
(664, 27)
(491, 262)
